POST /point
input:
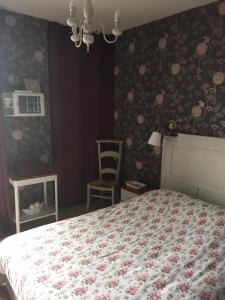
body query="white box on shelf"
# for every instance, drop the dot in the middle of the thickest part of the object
(23, 104)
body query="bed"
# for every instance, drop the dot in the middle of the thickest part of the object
(160, 245)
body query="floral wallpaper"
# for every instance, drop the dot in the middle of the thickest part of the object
(24, 54)
(172, 69)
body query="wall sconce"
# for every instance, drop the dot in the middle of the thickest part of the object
(172, 128)
(155, 138)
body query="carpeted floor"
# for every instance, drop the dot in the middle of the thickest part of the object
(3, 294)
(65, 213)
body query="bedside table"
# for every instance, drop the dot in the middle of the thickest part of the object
(128, 193)
(47, 210)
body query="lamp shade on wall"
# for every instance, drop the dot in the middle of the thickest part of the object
(155, 139)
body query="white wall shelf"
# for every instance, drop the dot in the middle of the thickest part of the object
(23, 104)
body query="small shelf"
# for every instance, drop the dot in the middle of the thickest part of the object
(44, 213)
(47, 210)
(23, 104)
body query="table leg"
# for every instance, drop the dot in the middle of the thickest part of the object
(17, 207)
(45, 194)
(56, 200)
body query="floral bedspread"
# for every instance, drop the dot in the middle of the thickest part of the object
(161, 245)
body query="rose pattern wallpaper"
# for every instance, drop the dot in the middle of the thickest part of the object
(172, 69)
(24, 54)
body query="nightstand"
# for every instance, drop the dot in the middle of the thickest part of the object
(128, 193)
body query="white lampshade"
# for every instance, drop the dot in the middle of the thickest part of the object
(155, 139)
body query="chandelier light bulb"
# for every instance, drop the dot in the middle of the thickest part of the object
(117, 16)
(72, 4)
(88, 10)
(71, 21)
(88, 39)
(116, 31)
(75, 38)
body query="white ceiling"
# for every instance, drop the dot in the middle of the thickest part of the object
(133, 12)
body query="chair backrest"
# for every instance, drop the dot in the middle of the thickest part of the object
(114, 153)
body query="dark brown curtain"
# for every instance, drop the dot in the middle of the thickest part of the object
(81, 91)
(6, 225)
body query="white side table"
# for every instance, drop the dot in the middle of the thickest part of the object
(46, 211)
(128, 193)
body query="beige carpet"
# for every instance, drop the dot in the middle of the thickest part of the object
(3, 294)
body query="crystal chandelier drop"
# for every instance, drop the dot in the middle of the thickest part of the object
(83, 30)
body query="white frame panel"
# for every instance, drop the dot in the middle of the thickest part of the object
(15, 104)
(194, 165)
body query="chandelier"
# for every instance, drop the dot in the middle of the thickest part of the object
(83, 30)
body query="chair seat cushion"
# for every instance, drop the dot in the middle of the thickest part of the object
(102, 183)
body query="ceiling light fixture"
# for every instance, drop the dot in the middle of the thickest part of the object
(84, 29)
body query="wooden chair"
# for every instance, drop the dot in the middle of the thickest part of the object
(105, 186)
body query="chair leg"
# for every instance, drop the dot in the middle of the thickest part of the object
(88, 198)
(113, 196)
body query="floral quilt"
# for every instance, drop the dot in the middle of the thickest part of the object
(161, 245)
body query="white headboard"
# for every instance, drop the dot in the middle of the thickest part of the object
(194, 165)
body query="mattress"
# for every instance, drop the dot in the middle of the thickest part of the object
(160, 245)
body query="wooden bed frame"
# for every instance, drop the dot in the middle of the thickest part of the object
(195, 165)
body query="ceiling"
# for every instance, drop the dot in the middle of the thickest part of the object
(133, 12)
